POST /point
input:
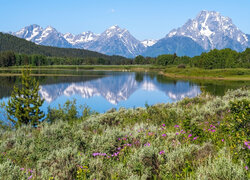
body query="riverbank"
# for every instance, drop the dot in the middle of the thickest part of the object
(192, 139)
(213, 74)
(172, 71)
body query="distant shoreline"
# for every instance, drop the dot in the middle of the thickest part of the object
(172, 72)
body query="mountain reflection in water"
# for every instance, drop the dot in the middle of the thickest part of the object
(103, 90)
(119, 90)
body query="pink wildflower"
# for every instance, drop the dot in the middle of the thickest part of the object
(164, 135)
(195, 138)
(222, 140)
(162, 152)
(189, 135)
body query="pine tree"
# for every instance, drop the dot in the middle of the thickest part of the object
(25, 102)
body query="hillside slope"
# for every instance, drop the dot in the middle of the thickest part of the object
(18, 45)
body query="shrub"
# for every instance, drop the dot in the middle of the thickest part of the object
(182, 66)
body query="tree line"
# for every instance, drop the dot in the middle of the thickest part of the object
(9, 58)
(214, 59)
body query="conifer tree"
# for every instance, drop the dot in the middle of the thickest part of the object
(24, 105)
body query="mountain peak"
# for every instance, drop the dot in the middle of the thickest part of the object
(205, 12)
(209, 29)
(114, 27)
(50, 28)
(115, 30)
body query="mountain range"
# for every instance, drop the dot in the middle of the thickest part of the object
(208, 30)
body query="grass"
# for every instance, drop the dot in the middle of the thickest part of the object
(198, 73)
(191, 139)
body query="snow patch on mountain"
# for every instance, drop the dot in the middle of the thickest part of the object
(117, 41)
(148, 43)
(80, 39)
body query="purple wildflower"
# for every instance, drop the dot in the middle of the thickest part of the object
(195, 138)
(30, 177)
(189, 135)
(22, 169)
(213, 130)
(147, 144)
(163, 125)
(96, 154)
(164, 135)
(162, 152)
(246, 168)
(176, 126)
(177, 133)
(222, 140)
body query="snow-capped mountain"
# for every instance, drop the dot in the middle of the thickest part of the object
(113, 41)
(208, 30)
(148, 43)
(48, 36)
(117, 41)
(80, 40)
(30, 33)
(212, 30)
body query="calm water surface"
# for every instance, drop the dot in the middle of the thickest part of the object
(103, 90)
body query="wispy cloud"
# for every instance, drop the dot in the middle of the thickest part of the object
(112, 10)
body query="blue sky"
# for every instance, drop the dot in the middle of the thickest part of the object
(145, 19)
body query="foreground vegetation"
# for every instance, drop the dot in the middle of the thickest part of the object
(205, 137)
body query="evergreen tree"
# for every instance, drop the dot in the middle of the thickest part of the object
(25, 102)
